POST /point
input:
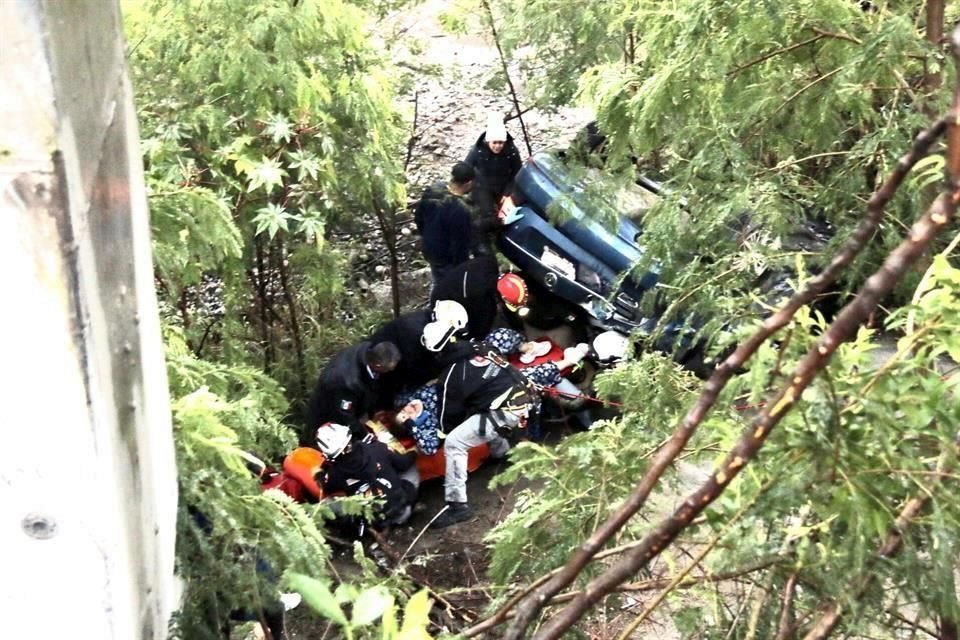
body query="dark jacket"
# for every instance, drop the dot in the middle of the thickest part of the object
(417, 364)
(443, 220)
(471, 386)
(345, 393)
(495, 172)
(474, 285)
(370, 468)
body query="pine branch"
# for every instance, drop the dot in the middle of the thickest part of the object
(530, 606)
(846, 324)
(922, 234)
(891, 546)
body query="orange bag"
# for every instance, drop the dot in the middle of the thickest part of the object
(303, 463)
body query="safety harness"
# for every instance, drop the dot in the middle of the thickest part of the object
(519, 400)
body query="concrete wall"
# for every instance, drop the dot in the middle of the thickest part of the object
(87, 476)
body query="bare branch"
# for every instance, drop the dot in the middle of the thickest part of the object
(771, 54)
(695, 562)
(785, 624)
(506, 75)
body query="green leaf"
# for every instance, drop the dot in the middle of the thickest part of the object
(370, 605)
(268, 174)
(271, 219)
(318, 596)
(278, 128)
(416, 617)
(305, 163)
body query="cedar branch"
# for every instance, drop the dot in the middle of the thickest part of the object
(530, 606)
(921, 235)
(850, 318)
(891, 546)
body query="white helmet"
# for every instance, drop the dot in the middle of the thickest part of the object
(450, 313)
(611, 345)
(436, 335)
(332, 439)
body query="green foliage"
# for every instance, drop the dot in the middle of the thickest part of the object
(265, 126)
(232, 541)
(367, 606)
(820, 499)
(791, 112)
(568, 39)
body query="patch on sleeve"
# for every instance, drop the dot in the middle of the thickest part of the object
(346, 405)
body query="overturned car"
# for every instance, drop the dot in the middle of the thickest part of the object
(583, 258)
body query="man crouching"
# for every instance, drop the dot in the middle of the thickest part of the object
(482, 399)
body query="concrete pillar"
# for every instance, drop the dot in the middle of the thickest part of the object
(87, 475)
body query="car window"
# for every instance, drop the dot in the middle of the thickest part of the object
(633, 201)
(630, 200)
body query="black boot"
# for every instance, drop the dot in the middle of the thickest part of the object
(456, 512)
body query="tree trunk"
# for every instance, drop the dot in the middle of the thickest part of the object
(294, 320)
(934, 34)
(182, 307)
(387, 219)
(262, 306)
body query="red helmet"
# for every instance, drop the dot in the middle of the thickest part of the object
(513, 291)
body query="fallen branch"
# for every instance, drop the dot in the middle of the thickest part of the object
(695, 562)
(649, 585)
(532, 604)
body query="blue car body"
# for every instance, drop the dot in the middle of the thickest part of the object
(597, 266)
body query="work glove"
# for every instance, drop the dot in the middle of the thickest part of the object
(573, 355)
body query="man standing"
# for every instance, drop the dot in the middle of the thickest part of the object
(496, 160)
(348, 388)
(474, 285)
(443, 220)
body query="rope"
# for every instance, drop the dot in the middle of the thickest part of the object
(553, 391)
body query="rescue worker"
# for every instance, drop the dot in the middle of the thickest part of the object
(481, 399)
(474, 285)
(369, 468)
(417, 363)
(443, 219)
(419, 411)
(348, 388)
(496, 160)
(528, 303)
